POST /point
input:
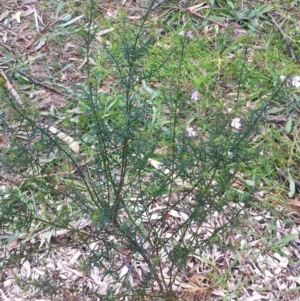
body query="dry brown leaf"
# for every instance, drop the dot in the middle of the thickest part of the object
(198, 286)
(197, 7)
(48, 99)
(26, 269)
(23, 33)
(74, 145)
(29, 11)
(294, 204)
(4, 37)
(40, 45)
(68, 46)
(11, 89)
(74, 259)
(17, 16)
(3, 140)
(4, 15)
(112, 14)
(13, 243)
(103, 32)
(257, 297)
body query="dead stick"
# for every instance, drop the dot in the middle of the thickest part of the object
(10, 88)
(37, 83)
(286, 41)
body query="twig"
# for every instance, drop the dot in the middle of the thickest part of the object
(286, 41)
(9, 86)
(37, 83)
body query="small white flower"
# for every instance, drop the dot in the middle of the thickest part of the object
(236, 123)
(190, 132)
(231, 171)
(282, 78)
(259, 194)
(229, 110)
(194, 95)
(296, 81)
(187, 34)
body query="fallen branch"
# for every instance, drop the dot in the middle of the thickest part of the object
(286, 40)
(37, 83)
(10, 88)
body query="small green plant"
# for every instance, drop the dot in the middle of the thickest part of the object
(132, 178)
(247, 17)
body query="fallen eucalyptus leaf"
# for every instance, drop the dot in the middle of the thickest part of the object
(74, 145)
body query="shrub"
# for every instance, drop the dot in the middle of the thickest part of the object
(143, 193)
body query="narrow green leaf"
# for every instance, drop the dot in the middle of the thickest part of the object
(230, 4)
(152, 92)
(275, 110)
(286, 240)
(265, 8)
(46, 237)
(63, 69)
(250, 183)
(72, 21)
(292, 188)
(204, 259)
(288, 125)
(59, 7)
(66, 18)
